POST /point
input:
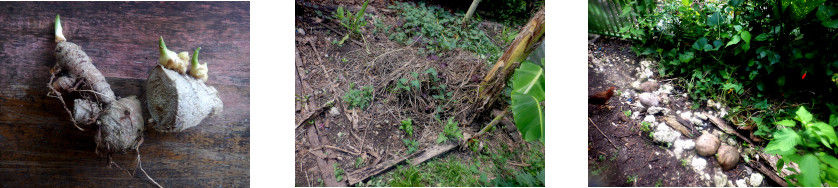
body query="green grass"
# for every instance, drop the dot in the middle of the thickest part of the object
(407, 176)
(473, 171)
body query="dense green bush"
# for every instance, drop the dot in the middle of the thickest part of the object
(511, 12)
(729, 46)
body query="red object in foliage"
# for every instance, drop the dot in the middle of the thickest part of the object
(804, 76)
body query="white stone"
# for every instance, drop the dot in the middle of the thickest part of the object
(695, 121)
(686, 115)
(650, 119)
(636, 85)
(720, 179)
(756, 179)
(665, 134)
(689, 144)
(666, 88)
(678, 147)
(334, 111)
(723, 113)
(741, 183)
(655, 110)
(698, 163)
(638, 105)
(645, 63)
(625, 94)
(648, 99)
(701, 116)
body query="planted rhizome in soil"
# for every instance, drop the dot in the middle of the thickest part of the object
(386, 98)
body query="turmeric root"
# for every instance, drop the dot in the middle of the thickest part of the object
(96, 102)
(122, 126)
(119, 123)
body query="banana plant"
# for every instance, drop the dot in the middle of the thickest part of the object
(527, 96)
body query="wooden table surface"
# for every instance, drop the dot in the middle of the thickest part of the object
(40, 147)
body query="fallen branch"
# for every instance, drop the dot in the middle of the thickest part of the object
(335, 148)
(369, 171)
(726, 128)
(492, 123)
(771, 175)
(517, 164)
(316, 112)
(603, 134)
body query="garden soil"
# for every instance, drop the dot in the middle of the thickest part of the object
(336, 134)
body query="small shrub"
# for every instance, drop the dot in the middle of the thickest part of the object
(411, 145)
(352, 22)
(358, 98)
(338, 172)
(407, 126)
(450, 131)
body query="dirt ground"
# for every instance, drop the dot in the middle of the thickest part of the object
(340, 135)
(633, 153)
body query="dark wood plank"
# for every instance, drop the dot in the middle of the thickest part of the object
(39, 146)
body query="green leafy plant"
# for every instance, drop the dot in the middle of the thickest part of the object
(407, 126)
(352, 22)
(683, 163)
(437, 85)
(404, 84)
(658, 183)
(811, 146)
(358, 162)
(338, 172)
(511, 12)
(742, 52)
(358, 98)
(627, 113)
(411, 145)
(631, 178)
(450, 131)
(429, 26)
(527, 96)
(407, 176)
(507, 35)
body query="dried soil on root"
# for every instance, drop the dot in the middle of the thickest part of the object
(377, 130)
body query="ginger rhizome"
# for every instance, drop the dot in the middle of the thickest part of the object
(172, 60)
(199, 71)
